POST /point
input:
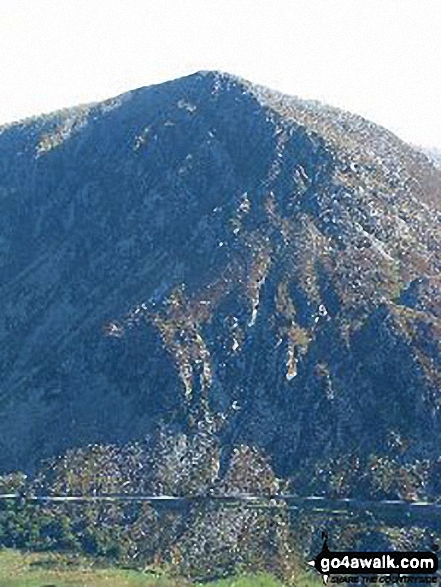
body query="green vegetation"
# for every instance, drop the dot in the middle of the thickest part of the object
(200, 540)
(24, 569)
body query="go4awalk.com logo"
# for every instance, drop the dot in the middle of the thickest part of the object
(382, 567)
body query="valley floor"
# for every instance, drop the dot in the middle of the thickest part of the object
(19, 569)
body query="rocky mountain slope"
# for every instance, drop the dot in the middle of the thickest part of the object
(207, 250)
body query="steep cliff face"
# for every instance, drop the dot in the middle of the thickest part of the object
(209, 249)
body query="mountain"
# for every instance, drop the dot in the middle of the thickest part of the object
(211, 250)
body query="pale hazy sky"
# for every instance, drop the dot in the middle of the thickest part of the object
(379, 58)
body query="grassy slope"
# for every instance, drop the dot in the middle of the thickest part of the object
(51, 570)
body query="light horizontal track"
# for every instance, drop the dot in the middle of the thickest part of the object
(311, 501)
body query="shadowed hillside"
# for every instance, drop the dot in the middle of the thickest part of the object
(207, 250)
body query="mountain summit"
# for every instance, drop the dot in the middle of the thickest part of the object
(207, 249)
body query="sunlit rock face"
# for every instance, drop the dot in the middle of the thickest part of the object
(207, 249)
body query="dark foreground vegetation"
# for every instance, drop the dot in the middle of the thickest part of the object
(202, 539)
